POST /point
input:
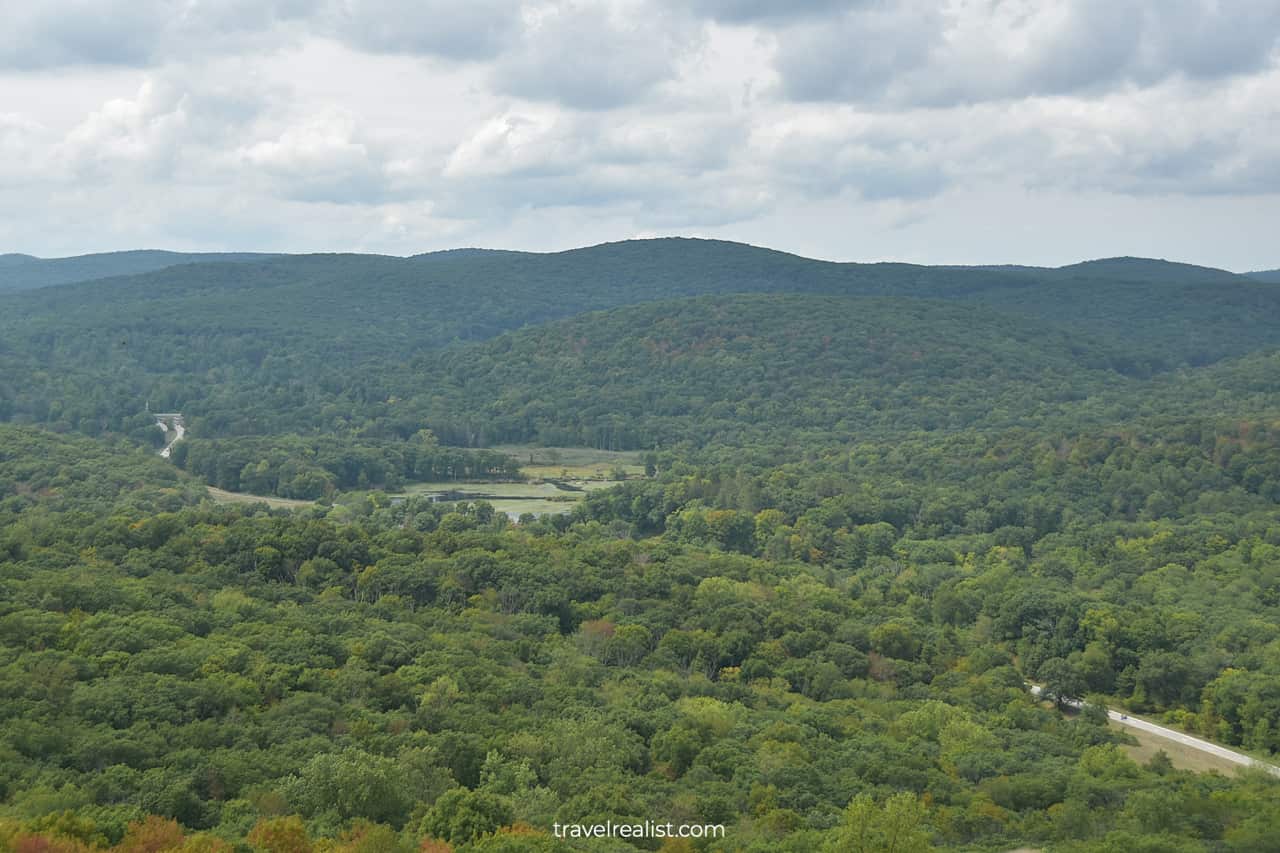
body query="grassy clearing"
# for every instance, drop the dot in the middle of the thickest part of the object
(1159, 721)
(224, 497)
(1182, 756)
(516, 498)
(488, 491)
(574, 463)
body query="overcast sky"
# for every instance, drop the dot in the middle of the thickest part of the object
(935, 131)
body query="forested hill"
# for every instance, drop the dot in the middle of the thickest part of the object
(734, 369)
(388, 304)
(74, 473)
(1120, 269)
(299, 343)
(1266, 275)
(1146, 269)
(22, 272)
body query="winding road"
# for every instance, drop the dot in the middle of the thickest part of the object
(171, 422)
(1198, 744)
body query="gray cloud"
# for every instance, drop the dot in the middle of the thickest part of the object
(677, 169)
(141, 33)
(144, 33)
(854, 155)
(592, 57)
(744, 11)
(476, 29)
(858, 56)
(916, 52)
(91, 32)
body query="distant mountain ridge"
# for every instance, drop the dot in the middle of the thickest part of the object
(1147, 269)
(24, 272)
(385, 304)
(306, 343)
(1126, 268)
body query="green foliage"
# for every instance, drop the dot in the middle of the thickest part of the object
(877, 500)
(460, 816)
(895, 826)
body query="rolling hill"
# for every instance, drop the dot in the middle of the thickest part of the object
(324, 342)
(734, 369)
(23, 272)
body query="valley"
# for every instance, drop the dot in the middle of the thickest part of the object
(447, 549)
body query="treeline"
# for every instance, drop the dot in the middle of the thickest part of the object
(310, 467)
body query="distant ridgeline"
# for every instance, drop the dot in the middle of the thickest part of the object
(24, 272)
(488, 346)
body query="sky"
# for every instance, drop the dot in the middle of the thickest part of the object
(932, 131)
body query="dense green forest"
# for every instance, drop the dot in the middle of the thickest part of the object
(427, 672)
(741, 370)
(879, 500)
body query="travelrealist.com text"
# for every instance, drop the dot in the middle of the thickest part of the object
(647, 829)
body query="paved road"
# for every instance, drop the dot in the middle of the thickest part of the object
(179, 430)
(1179, 737)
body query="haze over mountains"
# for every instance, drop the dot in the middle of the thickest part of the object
(21, 272)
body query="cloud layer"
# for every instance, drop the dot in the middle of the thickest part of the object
(401, 126)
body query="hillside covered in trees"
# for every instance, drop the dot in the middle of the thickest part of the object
(879, 500)
(327, 342)
(739, 370)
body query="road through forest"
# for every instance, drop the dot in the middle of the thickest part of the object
(179, 430)
(1198, 744)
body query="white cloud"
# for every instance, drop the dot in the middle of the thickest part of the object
(320, 158)
(21, 141)
(130, 136)
(661, 169)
